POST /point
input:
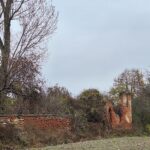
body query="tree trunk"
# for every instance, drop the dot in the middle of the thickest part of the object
(5, 51)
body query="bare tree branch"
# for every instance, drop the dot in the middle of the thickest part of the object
(2, 4)
(1, 44)
(36, 21)
(17, 9)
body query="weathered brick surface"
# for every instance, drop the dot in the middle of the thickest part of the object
(37, 121)
(123, 120)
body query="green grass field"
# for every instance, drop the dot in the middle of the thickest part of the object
(124, 143)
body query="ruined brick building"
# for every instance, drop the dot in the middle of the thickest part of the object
(117, 119)
(122, 118)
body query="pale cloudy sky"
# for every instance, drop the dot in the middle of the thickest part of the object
(95, 41)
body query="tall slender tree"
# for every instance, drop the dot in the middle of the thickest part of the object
(24, 27)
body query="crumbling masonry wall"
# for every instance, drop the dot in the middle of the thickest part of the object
(123, 119)
(43, 122)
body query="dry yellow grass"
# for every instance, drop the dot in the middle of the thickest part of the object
(124, 143)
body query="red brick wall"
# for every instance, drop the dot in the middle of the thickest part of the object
(124, 120)
(37, 121)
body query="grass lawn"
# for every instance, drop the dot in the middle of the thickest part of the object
(124, 143)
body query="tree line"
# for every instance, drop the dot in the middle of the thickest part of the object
(25, 27)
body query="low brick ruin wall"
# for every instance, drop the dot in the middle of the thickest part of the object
(43, 122)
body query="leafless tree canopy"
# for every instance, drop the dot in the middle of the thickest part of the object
(130, 80)
(24, 27)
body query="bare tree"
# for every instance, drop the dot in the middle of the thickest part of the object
(24, 27)
(129, 80)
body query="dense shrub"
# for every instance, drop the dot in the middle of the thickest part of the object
(58, 101)
(37, 137)
(141, 109)
(89, 114)
(91, 103)
(147, 128)
(10, 137)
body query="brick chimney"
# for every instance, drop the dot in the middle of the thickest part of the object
(126, 109)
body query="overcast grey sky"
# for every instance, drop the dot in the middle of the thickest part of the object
(95, 41)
